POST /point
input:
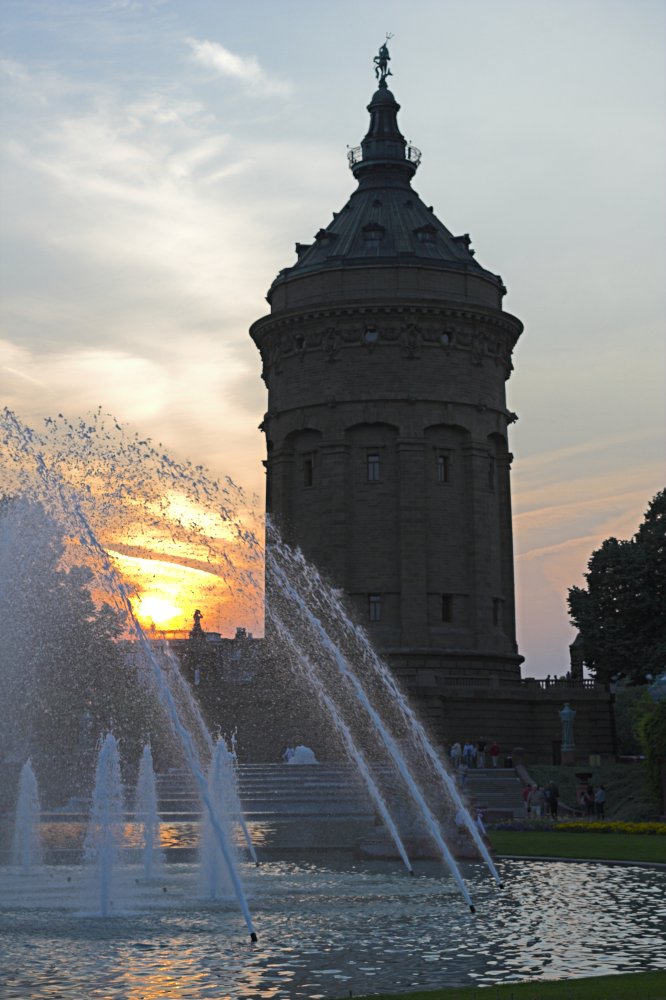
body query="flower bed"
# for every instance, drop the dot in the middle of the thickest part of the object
(578, 826)
(590, 826)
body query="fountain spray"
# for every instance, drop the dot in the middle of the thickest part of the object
(88, 538)
(353, 751)
(27, 847)
(387, 739)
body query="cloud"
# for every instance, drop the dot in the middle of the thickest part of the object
(246, 69)
(140, 238)
(188, 400)
(14, 71)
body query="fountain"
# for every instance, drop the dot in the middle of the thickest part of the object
(27, 851)
(147, 815)
(106, 829)
(79, 498)
(56, 464)
(223, 791)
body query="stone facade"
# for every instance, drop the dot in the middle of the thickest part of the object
(385, 356)
(229, 678)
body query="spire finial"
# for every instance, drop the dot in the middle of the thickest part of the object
(381, 62)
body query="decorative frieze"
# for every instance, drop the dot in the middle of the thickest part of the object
(485, 339)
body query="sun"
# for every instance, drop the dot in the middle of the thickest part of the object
(151, 608)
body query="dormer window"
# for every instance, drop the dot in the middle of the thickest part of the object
(325, 236)
(373, 232)
(371, 335)
(426, 234)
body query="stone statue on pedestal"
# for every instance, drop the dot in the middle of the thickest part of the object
(567, 716)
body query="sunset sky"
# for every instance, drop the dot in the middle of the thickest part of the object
(160, 160)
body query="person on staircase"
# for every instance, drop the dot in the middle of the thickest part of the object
(481, 752)
(537, 800)
(455, 753)
(553, 798)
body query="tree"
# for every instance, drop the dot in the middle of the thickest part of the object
(650, 716)
(65, 678)
(621, 614)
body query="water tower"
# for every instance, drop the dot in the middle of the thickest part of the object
(386, 354)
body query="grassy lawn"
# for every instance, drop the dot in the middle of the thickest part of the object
(633, 986)
(603, 846)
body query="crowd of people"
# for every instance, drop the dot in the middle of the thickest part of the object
(593, 801)
(539, 800)
(544, 800)
(472, 754)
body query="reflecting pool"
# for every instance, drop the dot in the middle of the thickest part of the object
(328, 925)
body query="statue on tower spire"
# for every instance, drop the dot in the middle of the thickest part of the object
(381, 62)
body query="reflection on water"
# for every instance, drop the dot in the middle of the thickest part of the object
(329, 927)
(68, 835)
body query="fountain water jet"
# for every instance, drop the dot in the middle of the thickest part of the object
(27, 851)
(106, 829)
(223, 789)
(354, 752)
(147, 815)
(177, 682)
(416, 730)
(324, 604)
(388, 740)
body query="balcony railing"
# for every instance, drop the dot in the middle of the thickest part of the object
(355, 155)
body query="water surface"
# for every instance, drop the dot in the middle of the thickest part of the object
(326, 927)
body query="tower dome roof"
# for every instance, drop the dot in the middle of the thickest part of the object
(385, 222)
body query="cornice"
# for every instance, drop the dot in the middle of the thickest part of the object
(287, 319)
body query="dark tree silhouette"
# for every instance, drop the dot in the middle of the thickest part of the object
(621, 614)
(66, 677)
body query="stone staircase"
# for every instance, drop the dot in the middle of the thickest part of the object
(496, 790)
(322, 804)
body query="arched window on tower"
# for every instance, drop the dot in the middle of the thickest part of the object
(375, 607)
(373, 466)
(443, 466)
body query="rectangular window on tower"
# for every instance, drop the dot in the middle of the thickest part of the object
(373, 466)
(443, 467)
(447, 607)
(375, 607)
(497, 612)
(308, 470)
